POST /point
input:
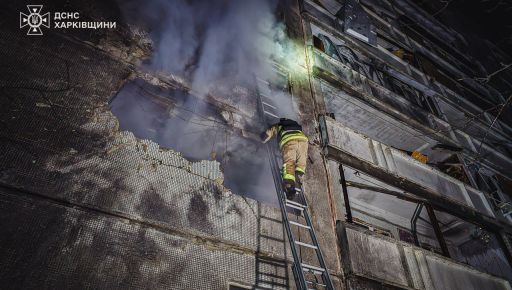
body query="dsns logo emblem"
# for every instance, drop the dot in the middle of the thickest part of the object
(34, 20)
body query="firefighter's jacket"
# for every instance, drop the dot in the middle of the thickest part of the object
(286, 130)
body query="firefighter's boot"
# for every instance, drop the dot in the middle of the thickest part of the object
(289, 188)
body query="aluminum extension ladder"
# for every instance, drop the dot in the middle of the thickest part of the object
(300, 269)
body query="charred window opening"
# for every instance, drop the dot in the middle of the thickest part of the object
(454, 167)
(413, 95)
(201, 128)
(318, 43)
(346, 55)
(399, 50)
(389, 213)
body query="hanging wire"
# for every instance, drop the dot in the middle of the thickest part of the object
(479, 151)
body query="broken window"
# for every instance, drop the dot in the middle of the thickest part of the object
(453, 167)
(346, 55)
(318, 43)
(407, 91)
(399, 50)
(383, 209)
(329, 47)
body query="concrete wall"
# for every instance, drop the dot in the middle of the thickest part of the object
(48, 245)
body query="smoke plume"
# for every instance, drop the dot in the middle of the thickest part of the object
(212, 43)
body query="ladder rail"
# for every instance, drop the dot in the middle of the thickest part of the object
(319, 254)
(298, 266)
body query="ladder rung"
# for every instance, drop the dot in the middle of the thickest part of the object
(299, 225)
(268, 113)
(306, 245)
(288, 207)
(265, 103)
(294, 203)
(313, 269)
(294, 206)
(315, 283)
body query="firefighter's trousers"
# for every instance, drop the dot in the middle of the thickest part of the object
(295, 156)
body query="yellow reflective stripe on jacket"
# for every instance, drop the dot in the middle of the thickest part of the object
(287, 176)
(300, 170)
(290, 137)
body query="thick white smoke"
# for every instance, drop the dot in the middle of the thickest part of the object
(208, 43)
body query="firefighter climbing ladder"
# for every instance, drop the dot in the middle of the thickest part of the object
(301, 270)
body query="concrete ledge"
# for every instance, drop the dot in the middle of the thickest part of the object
(368, 257)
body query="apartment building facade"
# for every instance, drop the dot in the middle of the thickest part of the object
(408, 177)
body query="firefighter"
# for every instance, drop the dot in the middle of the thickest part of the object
(294, 149)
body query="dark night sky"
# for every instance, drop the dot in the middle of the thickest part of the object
(477, 20)
(489, 19)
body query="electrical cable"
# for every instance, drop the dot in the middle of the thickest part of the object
(479, 151)
(468, 122)
(194, 113)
